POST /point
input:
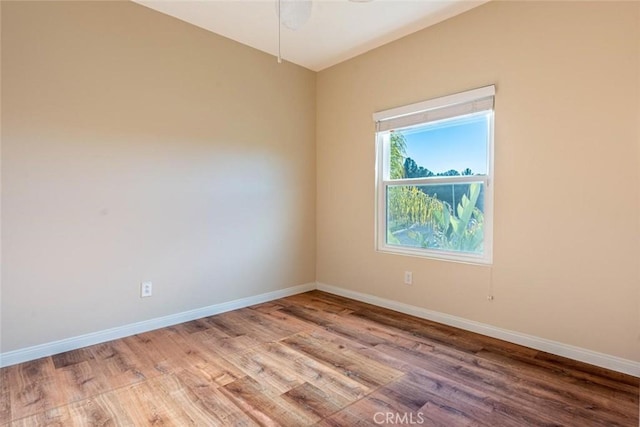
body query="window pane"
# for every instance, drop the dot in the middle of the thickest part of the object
(447, 148)
(437, 216)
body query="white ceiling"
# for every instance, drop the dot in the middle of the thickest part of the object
(337, 30)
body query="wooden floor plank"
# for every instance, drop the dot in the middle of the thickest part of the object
(313, 359)
(57, 417)
(120, 365)
(267, 307)
(80, 381)
(267, 405)
(158, 401)
(184, 402)
(201, 358)
(315, 401)
(33, 388)
(256, 364)
(601, 393)
(424, 329)
(516, 390)
(373, 409)
(310, 315)
(72, 357)
(318, 301)
(150, 346)
(5, 397)
(271, 325)
(590, 373)
(345, 361)
(340, 386)
(291, 323)
(225, 346)
(102, 410)
(222, 410)
(421, 387)
(245, 322)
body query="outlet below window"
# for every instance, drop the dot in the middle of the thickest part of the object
(408, 278)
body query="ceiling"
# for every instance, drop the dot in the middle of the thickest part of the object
(337, 30)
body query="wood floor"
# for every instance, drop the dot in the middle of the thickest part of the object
(313, 359)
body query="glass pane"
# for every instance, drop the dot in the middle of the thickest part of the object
(446, 148)
(437, 216)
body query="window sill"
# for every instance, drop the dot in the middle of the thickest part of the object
(463, 258)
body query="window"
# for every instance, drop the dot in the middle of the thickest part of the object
(434, 177)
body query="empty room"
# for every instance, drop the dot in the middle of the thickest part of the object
(320, 212)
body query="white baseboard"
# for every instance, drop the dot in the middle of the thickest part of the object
(576, 353)
(73, 343)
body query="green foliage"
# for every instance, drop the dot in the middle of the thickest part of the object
(424, 219)
(464, 231)
(412, 170)
(398, 151)
(450, 172)
(408, 205)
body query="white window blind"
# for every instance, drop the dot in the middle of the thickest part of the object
(459, 104)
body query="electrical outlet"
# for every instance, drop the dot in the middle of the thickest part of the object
(408, 278)
(146, 289)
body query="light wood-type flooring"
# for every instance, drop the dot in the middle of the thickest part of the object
(313, 359)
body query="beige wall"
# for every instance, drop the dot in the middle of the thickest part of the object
(566, 240)
(138, 147)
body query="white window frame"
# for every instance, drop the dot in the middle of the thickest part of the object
(433, 110)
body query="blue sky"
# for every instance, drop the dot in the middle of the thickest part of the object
(456, 144)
